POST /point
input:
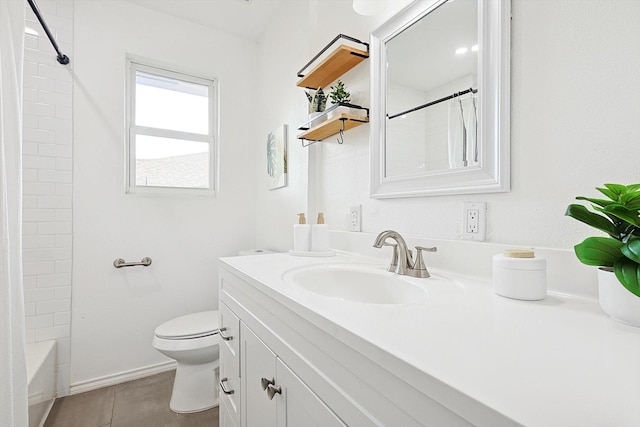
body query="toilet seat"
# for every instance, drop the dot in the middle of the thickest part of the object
(196, 325)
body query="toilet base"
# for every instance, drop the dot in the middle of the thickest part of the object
(195, 388)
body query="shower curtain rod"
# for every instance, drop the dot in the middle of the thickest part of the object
(62, 58)
(437, 101)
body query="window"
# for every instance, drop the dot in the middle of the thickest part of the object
(171, 128)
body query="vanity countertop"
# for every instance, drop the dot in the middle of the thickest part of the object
(556, 362)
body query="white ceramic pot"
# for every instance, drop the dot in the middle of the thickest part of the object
(316, 118)
(338, 110)
(620, 304)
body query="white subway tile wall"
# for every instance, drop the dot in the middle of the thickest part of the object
(47, 182)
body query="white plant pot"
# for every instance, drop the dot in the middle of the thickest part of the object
(338, 110)
(620, 304)
(317, 117)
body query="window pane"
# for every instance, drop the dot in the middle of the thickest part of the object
(166, 162)
(166, 103)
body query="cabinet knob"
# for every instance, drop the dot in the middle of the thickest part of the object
(223, 388)
(223, 336)
(264, 382)
(272, 391)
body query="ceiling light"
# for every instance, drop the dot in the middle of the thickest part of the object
(31, 31)
(369, 7)
(474, 48)
(461, 51)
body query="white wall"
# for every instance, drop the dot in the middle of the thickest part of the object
(115, 311)
(574, 121)
(47, 162)
(281, 102)
(290, 42)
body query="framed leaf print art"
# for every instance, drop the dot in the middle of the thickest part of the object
(277, 158)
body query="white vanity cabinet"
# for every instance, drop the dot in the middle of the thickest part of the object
(325, 376)
(273, 396)
(229, 368)
(481, 360)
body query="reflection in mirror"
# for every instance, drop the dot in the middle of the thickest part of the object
(440, 99)
(432, 104)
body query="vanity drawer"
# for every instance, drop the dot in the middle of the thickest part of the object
(229, 368)
(229, 332)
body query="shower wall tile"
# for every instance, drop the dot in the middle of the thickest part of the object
(29, 175)
(47, 182)
(53, 306)
(52, 280)
(30, 282)
(62, 319)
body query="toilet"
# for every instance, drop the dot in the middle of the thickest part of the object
(193, 342)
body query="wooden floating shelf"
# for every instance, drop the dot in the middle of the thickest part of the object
(341, 60)
(333, 126)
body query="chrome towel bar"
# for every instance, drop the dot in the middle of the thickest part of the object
(119, 263)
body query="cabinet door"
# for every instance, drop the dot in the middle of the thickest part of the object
(230, 366)
(298, 405)
(226, 419)
(258, 364)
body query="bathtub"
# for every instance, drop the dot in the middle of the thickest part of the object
(41, 380)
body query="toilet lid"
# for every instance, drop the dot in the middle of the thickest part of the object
(190, 326)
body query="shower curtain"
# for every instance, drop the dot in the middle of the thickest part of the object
(462, 131)
(13, 373)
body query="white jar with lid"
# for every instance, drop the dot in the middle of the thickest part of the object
(519, 274)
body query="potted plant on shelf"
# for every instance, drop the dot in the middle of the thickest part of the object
(618, 255)
(339, 95)
(317, 105)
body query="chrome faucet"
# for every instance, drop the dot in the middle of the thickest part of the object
(403, 262)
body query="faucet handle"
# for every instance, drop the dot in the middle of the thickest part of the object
(422, 248)
(419, 268)
(394, 260)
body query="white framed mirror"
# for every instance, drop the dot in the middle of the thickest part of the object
(440, 99)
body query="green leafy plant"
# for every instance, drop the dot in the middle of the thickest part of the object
(317, 101)
(339, 93)
(619, 217)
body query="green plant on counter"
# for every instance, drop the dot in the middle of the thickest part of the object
(317, 101)
(339, 93)
(619, 217)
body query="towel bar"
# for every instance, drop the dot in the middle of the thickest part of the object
(119, 263)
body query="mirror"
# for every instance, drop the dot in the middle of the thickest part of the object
(440, 99)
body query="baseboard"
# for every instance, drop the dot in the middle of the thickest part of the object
(46, 413)
(121, 377)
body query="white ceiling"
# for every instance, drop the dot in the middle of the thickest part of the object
(244, 18)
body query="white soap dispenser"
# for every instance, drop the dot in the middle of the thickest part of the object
(320, 235)
(301, 235)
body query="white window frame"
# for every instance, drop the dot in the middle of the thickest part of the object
(131, 130)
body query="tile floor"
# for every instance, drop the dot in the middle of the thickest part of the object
(139, 403)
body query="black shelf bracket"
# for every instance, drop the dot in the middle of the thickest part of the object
(336, 38)
(307, 125)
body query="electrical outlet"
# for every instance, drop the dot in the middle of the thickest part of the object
(355, 218)
(474, 221)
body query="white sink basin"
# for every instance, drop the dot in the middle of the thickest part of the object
(364, 283)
